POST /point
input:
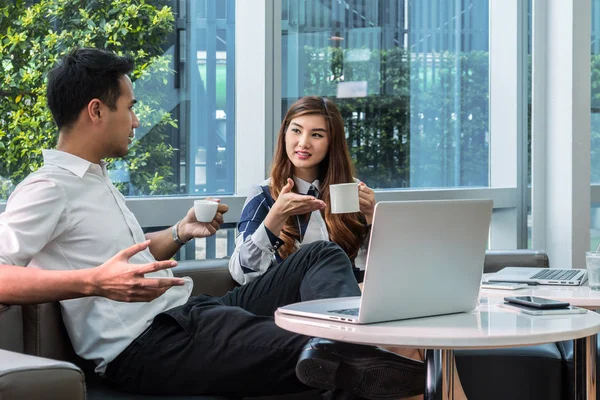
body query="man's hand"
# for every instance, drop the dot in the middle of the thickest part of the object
(119, 280)
(189, 227)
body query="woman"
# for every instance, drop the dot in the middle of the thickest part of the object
(292, 207)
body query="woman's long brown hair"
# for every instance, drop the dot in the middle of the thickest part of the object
(347, 230)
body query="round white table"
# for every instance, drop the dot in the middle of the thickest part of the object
(488, 326)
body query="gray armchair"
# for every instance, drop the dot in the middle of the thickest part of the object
(28, 377)
(495, 260)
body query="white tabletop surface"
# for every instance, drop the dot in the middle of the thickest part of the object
(580, 296)
(485, 327)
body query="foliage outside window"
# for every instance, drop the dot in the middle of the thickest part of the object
(34, 35)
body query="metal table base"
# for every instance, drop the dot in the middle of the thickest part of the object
(440, 364)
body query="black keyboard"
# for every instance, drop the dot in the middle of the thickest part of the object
(345, 311)
(556, 274)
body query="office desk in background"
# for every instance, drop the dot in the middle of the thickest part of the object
(580, 296)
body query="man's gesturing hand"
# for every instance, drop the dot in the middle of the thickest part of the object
(119, 280)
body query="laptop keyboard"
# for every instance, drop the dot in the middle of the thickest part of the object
(559, 274)
(345, 311)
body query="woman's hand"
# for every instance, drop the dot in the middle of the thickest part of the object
(366, 199)
(289, 203)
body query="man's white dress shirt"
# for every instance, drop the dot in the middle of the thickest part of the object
(67, 216)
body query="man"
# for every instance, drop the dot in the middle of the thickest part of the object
(69, 216)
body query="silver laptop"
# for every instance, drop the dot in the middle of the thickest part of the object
(425, 258)
(541, 276)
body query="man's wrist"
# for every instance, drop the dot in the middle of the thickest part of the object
(89, 287)
(175, 233)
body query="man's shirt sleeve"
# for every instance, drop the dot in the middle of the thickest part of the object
(32, 219)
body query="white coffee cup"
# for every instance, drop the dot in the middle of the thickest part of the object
(344, 198)
(205, 210)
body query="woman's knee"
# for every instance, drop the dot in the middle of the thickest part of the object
(323, 246)
(315, 253)
(325, 253)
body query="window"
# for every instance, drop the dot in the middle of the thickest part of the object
(184, 81)
(411, 80)
(185, 84)
(595, 126)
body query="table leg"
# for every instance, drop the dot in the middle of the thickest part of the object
(433, 369)
(439, 384)
(584, 361)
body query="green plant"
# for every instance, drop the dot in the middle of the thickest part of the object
(35, 34)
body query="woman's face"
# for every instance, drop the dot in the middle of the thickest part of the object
(307, 144)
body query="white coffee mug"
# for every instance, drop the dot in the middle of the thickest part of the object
(344, 198)
(205, 210)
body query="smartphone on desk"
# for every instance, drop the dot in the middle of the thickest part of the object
(537, 302)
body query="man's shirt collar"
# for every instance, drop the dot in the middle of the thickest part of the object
(72, 163)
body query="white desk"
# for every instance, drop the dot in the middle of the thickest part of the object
(581, 296)
(489, 326)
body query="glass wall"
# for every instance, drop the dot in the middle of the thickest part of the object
(411, 80)
(184, 80)
(595, 82)
(529, 95)
(207, 51)
(595, 125)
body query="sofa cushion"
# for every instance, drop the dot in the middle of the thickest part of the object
(45, 334)
(495, 260)
(519, 373)
(104, 392)
(11, 328)
(210, 277)
(27, 377)
(566, 348)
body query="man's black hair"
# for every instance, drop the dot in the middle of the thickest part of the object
(82, 75)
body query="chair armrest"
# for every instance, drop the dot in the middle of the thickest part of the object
(11, 328)
(495, 260)
(210, 277)
(27, 377)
